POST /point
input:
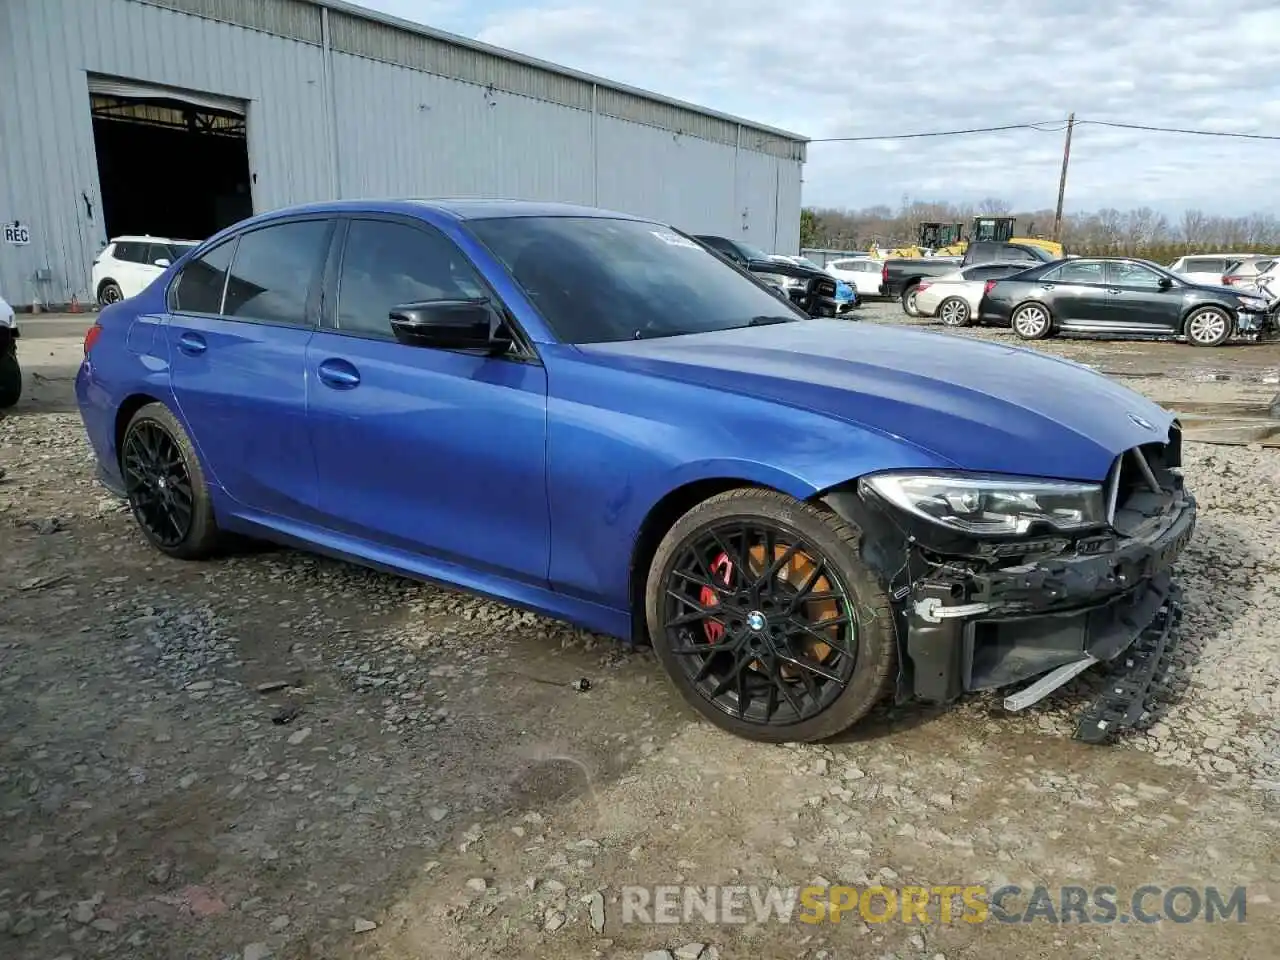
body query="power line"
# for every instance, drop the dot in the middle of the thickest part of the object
(944, 133)
(1195, 133)
(1045, 127)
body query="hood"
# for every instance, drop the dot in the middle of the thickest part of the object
(979, 405)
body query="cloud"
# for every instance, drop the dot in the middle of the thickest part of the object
(829, 69)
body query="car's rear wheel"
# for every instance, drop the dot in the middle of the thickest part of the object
(909, 301)
(766, 620)
(110, 293)
(954, 312)
(165, 484)
(1208, 327)
(1032, 321)
(10, 377)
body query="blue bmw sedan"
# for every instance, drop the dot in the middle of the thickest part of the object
(590, 415)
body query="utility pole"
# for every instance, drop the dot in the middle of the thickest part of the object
(1062, 181)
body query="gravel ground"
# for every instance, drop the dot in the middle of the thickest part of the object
(274, 755)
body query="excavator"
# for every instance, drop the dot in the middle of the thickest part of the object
(946, 239)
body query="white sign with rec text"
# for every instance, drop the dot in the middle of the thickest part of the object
(17, 233)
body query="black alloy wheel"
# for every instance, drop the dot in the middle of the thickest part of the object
(158, 484)
(757, 618)
(165, 484)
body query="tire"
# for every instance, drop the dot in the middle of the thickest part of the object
(955, 312)
(148, 485)
(1207, 327)
(859, 661)
(10, 378)
(1032, 321)
(909, 300)
(109, 292)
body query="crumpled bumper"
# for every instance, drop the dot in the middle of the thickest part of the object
(981, 631)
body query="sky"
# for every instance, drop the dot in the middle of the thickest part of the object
(835, 68)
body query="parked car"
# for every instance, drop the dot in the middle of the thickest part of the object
(10, 371)
(127, 265)
(862, 273)
(901, 278)
(954, 297)
(1243, 274)
(788, 278)
(1120, 296)
(628, 432)
(846, 293)
(1208, 269)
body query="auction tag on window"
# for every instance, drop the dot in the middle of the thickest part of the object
(674, 240)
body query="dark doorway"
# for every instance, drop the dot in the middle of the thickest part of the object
(168, 168)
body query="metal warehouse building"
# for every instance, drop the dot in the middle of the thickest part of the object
(177, 117)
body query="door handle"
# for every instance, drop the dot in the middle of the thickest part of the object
(1046, 286)
(339, 374)
(192, 343)
(1114, 290)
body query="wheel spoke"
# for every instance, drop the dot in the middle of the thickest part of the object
(809, 667)
(777, 565)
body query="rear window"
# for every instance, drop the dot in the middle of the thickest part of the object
(1204, 265)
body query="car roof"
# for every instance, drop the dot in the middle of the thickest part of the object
(147, 238)
(458, 209)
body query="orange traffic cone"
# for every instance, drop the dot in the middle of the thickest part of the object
(75, 305)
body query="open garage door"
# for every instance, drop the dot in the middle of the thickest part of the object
(170, 163)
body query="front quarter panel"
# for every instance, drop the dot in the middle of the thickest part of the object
(619, 441)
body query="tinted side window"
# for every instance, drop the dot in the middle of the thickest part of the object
(273, 271)
(1134, 275)
(388, 264)
(130, 252)
(198, 288)
(1078, 271)
(1204, 265)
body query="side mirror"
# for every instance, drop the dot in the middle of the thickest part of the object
(450, 325)
(761, 266)
(162, 262)
(1165, 283)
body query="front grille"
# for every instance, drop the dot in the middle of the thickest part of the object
(1145, 484)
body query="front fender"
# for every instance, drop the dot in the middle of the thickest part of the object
(619, 443)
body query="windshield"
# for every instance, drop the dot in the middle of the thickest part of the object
(596, 280)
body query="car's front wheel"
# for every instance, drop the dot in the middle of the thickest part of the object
(1031, 321)
(1208, 327)
(766, 620)
(165, 484)
(954, 312)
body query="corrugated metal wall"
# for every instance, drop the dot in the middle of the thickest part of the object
(413, 115)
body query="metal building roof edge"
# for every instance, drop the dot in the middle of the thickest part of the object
(364, 13)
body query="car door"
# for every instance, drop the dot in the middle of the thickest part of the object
(149, 269)
(129, 271)
(437, 452)
(1075, 292)
(1140, 299)
(241, 316)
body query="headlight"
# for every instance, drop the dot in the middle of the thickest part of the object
(992, 505)
(1252, 303)
(781, 280)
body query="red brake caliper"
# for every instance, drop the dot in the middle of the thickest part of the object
(721, 567)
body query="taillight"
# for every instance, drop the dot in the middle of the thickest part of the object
(884, 273)
(986, 287)
(923, 285)
(1228, 281)
(91, 337)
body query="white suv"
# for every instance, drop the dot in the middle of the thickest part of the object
(127, 265)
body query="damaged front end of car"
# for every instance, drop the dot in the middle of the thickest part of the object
(998, 581)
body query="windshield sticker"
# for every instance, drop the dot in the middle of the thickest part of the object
(674, 240)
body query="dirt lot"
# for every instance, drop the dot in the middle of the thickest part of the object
(276, 755)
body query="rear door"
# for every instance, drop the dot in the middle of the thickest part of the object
(435, 452)
(1138, 301)
(237, 347)
(129, 270)
(1076, 292)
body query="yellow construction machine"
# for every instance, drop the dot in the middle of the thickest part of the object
(947, 239)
